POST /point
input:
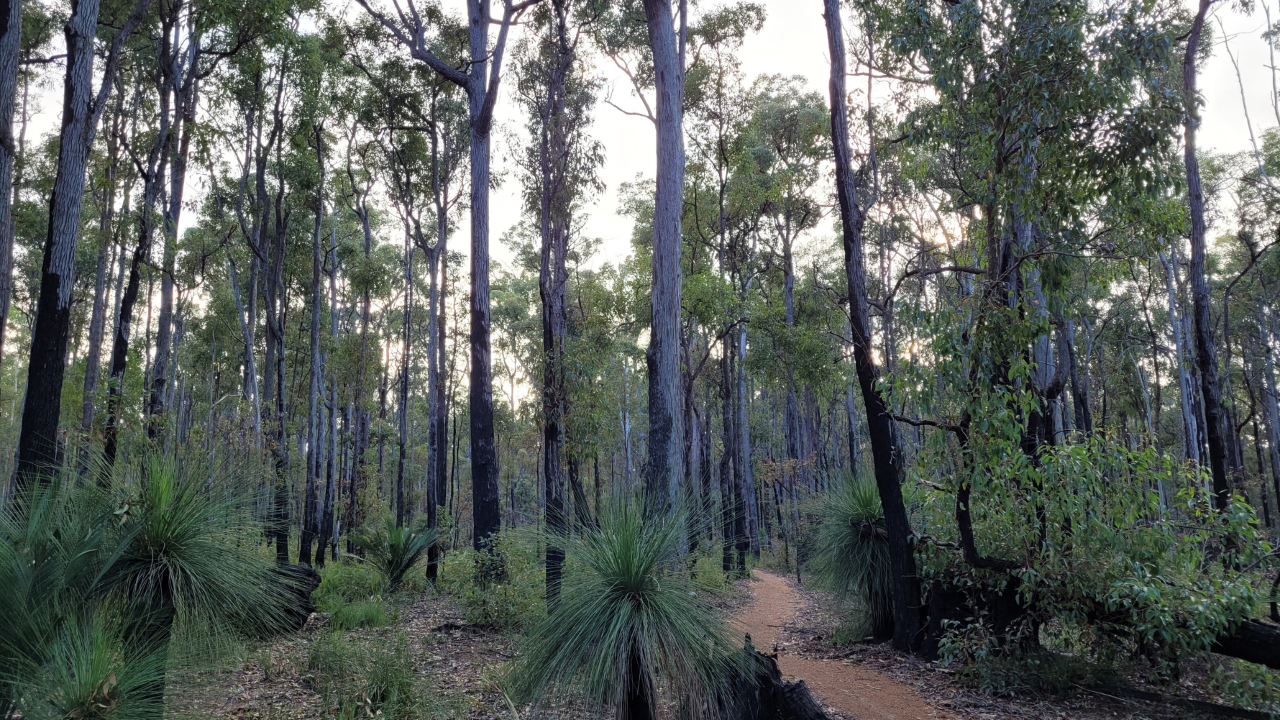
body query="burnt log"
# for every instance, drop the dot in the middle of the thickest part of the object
(760, 693)
(1255, 641)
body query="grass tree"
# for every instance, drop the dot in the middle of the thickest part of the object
(852, 558)
(631, 624)
(96, 581)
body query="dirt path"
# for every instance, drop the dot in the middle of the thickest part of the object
(854, 691)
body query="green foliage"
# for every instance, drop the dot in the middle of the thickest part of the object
(514, 601)
(192, 553)
(358, 680)
(630, 620)
(358, 614)
(393, 551)
(851, 559)
(346, 581)
(96, 581)
(1246, 685)
(93, 672)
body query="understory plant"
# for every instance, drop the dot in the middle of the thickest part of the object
(631, 624)
(851, 558)
(393, 551)
(95, 581)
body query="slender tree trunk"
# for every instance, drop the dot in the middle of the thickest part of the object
(402, 405)
(10, 46)
(97, 325)
(183, 86)
(1270, 403)
(729, 438)
(1206, 352)
(310, 511)
(885, 445)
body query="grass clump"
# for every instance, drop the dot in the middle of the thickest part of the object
(358, 680)
(346, 581)
(630, 621)
(361, 613)
(851, 557)
(393, 551)
(95, 582)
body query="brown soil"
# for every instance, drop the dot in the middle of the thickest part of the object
(850, 690)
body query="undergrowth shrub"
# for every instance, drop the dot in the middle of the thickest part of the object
(361, 613)
(364, 680)
(1246, 685)
(512, 601)
(346, 581)
(631, 624)
(393, 551)
(851, 557)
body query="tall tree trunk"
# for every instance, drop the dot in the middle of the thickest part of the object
(310, 515)
(885, 446)
(663, 355)
(402, 404)
(152, 180)
(1190, 432)
(81, 107)
(10, 46)
(97, 325)
(1271, 405)
(181, 73)
(1206, 352)
(729, 438)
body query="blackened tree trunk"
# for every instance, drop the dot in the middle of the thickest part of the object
(402, 404)
(152, 179)
(1206, 352)
(886, 450)
(729, 438)
(98, 319)
(81, 108)
(663, 355)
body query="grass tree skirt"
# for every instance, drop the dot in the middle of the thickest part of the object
(766, 696)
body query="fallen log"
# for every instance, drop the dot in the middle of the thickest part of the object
(1200, 706)
(1255, 641)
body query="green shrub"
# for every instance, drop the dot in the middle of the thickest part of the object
(93, 672)
(361, 613)
(851, 557)
(514, 601)
(393, 551)
(358, 680)
(346, 581)
(163, 553)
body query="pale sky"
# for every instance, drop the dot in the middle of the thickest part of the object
(793, 42)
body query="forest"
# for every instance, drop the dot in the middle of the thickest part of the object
(327, 392)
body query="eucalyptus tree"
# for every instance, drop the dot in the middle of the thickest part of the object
(480, 81)
(82, 107)
(886, 446)
(786, 144)
(560, 167)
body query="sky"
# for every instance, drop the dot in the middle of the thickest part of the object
(793, 42)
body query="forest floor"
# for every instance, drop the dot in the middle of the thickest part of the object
(457, 665)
